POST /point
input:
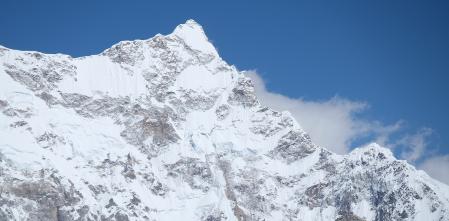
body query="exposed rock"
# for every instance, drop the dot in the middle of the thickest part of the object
(243, 93)
(194, 172)
(293, 146)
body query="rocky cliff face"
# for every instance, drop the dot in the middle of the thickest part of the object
(164, 129)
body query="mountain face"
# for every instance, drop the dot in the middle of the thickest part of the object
(164, 129)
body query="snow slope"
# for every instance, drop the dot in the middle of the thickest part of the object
(164, 129)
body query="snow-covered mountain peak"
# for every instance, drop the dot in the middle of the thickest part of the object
(194, 36)
(164, 129)
(190, 26)
(373, 151)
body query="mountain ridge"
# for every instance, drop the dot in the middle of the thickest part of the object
(163, 129)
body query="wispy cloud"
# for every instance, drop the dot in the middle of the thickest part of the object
(336, 123)
(332, 123)
(415, 145)
(437, 167)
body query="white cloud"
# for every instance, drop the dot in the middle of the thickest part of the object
(335, 124)
(331, 123)
(437, 167)
(416, 150)
(414, 145)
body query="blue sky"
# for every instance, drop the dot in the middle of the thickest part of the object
(392, 56)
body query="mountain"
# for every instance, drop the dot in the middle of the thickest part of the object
(164, 129)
